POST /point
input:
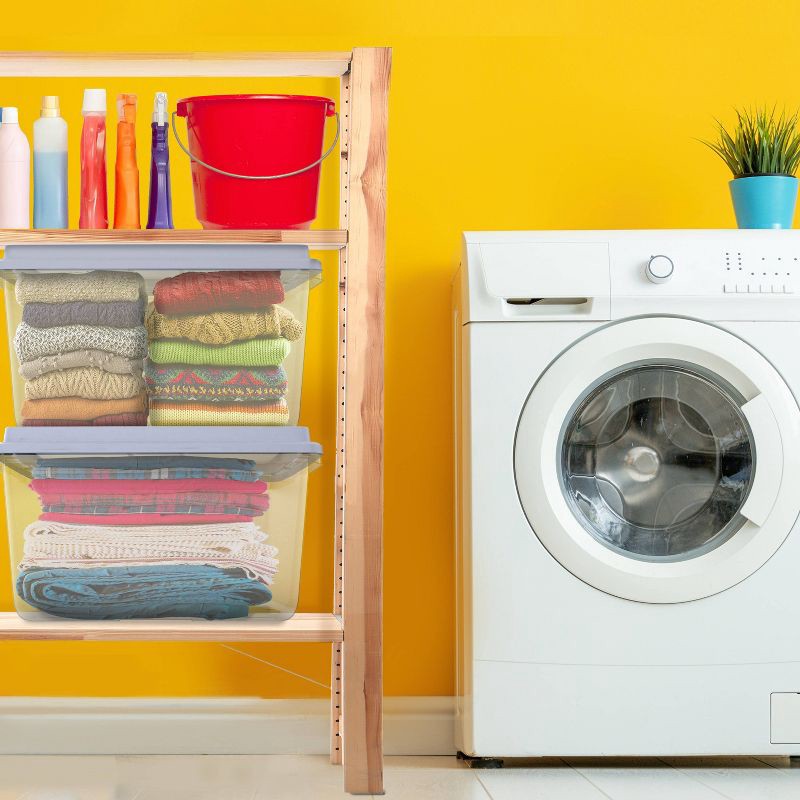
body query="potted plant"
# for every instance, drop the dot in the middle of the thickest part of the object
(762, 152)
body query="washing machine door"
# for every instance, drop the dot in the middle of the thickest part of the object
(656, 459)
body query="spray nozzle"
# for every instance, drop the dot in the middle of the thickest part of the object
(160, 108)
(126, 107)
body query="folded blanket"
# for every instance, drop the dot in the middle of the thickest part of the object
(147, 468)
(146, 592)
(89, 382)
(197, 292)
(99, 286)
(106, 419)
(163, 487)
(116, 314)
(235, 503)
(183, 382)
(169, 413)
(31, 343)
(79, 408)
(253, 353)
(109, 362)
(224, 327)
(236, 545)
(145, 520)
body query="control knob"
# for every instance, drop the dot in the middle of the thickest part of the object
(659, 269)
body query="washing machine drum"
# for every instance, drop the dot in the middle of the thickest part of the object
(650, 460)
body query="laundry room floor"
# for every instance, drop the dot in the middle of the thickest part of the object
(429, 778)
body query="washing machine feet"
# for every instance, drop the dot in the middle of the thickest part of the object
(480, 762)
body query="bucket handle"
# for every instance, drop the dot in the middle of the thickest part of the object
(254, 177)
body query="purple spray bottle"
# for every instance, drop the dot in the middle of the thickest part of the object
(159, 212)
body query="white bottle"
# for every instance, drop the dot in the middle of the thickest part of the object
(15, 172)
(50, 167)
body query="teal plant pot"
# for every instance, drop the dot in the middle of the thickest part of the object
(764, 201)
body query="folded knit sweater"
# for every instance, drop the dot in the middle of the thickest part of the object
(224, 327)
(101, 286)
(31, 343)
(108, 362)
(89, 382)
(218, 413)
(139, 418)
(198, 292)
(79, 408)
(186, 383)
(253, 353)
(115, 314)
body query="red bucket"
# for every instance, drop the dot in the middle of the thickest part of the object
(255, 157)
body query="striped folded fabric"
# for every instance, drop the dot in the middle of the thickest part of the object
(145, 520)
(115, 488)
(169, 413)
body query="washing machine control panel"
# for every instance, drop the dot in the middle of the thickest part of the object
(759, 273)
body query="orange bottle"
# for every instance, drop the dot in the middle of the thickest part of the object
(126, 171)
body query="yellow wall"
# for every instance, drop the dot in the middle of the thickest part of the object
(523, 114)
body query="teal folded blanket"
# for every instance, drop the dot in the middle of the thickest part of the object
(144, 592)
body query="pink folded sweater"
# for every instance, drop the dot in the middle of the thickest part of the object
(143, 519)
(44, 486)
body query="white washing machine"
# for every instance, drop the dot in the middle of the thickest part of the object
(628, 471)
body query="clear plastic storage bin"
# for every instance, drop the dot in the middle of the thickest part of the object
(120, 523)
(137, 334)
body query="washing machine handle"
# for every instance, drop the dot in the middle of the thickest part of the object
(769, 460)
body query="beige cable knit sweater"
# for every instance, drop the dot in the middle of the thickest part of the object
(66, 287)
(88, 382)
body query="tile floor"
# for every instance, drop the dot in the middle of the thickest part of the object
(439, 778)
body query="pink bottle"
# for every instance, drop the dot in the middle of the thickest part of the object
(94, 191)
(15, 172)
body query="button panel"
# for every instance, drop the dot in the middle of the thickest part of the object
(754, 273)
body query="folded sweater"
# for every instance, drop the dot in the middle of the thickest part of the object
(106, 419)
(142, 520)
(100, 286)
(116, 314)
(79, 408)
(253, 353)
(235, 545)
(46, 486)
(198, 292)
(145, 592)
(109, 362)
(89, 382)
(186, 383)
(31, 343)
(169, 413)
(224, 327)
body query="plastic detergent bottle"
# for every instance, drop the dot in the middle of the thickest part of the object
(15, 172)
(159, 210)
(50, 167)
(94, 192)
(126, 193)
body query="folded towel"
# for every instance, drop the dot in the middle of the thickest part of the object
(144, 520)
(169, 413)
(147, 468)
(79, 408)
(109, 362)
(196, 292)
(183, 382)
(101, 286)
(116, 314)
(235, 545)
(236, 503)
(106, 419)
(224, 327)
(253, 353)
(31, 343)
(89, 382)
(147, 592)
(163, 487)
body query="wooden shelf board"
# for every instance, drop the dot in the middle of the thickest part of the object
(315, 239)
(300, 628)
(173, 65)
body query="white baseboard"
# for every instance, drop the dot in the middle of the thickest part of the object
(134, 726)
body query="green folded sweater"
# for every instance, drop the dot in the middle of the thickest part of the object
(251, 353)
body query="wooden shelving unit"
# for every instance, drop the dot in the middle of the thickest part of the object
(354, 626)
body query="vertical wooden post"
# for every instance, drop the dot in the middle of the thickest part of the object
(362, 680)
(341, 373)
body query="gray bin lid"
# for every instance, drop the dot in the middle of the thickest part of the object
(279, 452)
(157, 261)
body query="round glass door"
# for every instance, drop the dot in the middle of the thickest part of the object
(657, 461)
